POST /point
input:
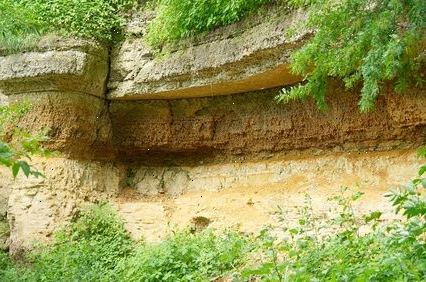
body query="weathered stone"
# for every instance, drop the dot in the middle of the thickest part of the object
(65, 84)
(239, 58)
(408, 109)
(72, 71)
(3, 100)
(77, 124)
(4, 191)
(144, 221)
(38, 206)
(4, 235)
(4, 198)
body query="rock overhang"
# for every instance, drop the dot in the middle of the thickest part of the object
(132, 105)
(239, 58)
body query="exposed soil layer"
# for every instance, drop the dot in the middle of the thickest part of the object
(77, 125)
(254, 124)
(213, 129)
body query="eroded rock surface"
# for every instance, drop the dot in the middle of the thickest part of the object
(78, 125)
(3, 100)
(5, 190)
(65, 85)
(38, 206)
(248, 195)
(70, 71)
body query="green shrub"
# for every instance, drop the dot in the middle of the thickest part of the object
(186, 257)
(18, 25)
(22, 21)
(96, 247)
(178, 19)
(87, 250)
(5, 262)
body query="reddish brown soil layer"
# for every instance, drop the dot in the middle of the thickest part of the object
(254, 124)
(250, 125)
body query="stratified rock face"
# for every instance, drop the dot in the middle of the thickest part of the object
(63, 71)
(249, 195)
(66, 89)
(254, 123)
(77, 124)
(199, 160)
(247, 56)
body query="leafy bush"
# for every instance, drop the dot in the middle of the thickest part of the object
(19, 25)
(87, 250)
(5, 264)
(23, 20)
(368, 41)
(178, 19)
(186, 257)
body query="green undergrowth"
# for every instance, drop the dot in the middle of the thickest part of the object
(343, 246)
(96, 247)
(22, 22)
(177, 19)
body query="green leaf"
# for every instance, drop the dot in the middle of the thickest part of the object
(15, 169)
(25, 168)
(422, 170)
(373, 216)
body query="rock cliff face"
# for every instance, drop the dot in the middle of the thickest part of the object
(195, 134)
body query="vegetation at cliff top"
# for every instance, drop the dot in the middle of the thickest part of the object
(96, 247)
(22, 21)
(178, 19)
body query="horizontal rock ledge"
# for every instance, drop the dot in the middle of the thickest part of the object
(55, 70)
(235, 59)
(279, 76)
